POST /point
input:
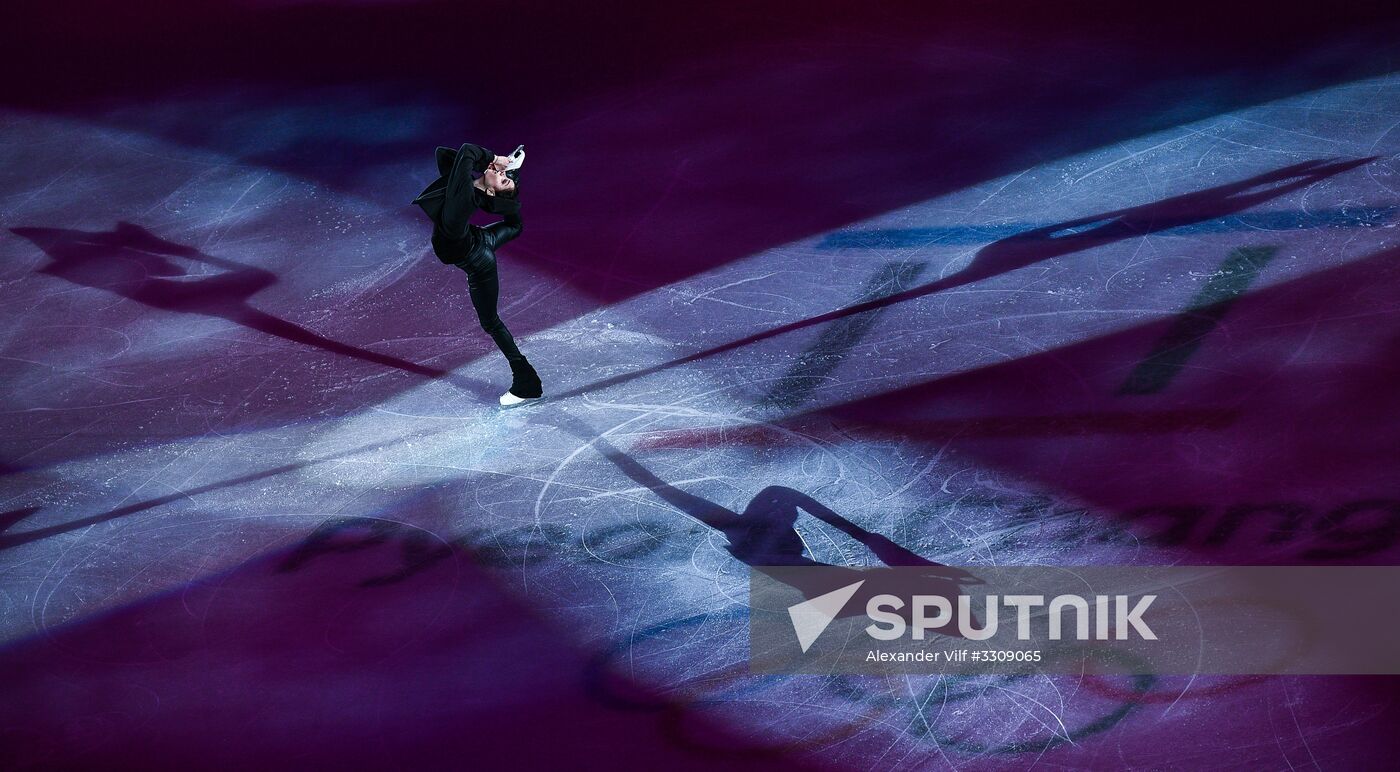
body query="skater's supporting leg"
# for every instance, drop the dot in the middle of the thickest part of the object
(485, 288)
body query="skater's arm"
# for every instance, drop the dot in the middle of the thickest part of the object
(460, 200)
(481, 159)
(478, 156)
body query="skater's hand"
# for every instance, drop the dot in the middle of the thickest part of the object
(501, 162)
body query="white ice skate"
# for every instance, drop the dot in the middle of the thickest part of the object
(517, 159)
(510, 400)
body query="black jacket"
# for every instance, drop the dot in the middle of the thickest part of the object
(450, 200)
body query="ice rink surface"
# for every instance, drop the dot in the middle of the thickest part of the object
(258, 500)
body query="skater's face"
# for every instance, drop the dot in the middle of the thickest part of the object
(497, 182)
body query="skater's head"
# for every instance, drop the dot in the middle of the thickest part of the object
(497, 183)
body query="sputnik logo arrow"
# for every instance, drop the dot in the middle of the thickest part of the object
(810, 617)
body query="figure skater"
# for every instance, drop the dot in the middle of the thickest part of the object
(449, 201)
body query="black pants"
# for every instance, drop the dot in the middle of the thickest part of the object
(485, 286)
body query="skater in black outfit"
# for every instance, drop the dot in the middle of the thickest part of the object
(450, 201)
